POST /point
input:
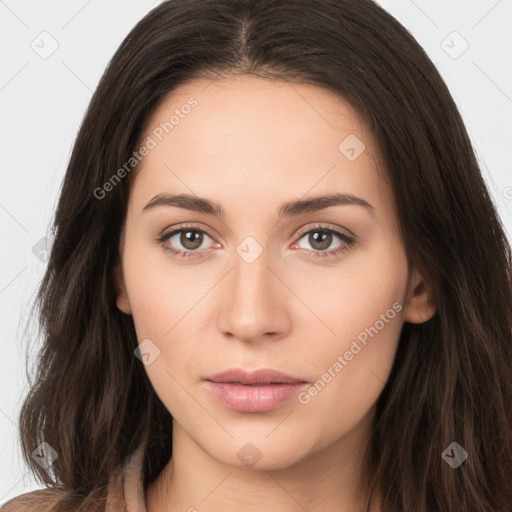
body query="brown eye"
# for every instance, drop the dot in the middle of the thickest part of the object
(186, 242)
(191, 240)
(320, 240)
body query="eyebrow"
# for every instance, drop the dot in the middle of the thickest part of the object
(288, 209)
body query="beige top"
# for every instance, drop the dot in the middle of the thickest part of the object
(125, 492)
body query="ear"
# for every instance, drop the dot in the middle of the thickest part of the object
(419, 305)
(122, 297)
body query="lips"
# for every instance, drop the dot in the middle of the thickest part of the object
(258, 391)
(258, 377)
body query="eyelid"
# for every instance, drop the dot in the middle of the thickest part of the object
(327, 226)
(183, 227)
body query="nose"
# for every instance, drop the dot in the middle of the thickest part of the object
(254, 301)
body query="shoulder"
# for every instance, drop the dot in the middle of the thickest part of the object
(41, 500)
(125, 490)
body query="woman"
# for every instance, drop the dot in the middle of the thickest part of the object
(278, 280)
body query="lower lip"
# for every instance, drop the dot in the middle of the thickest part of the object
(253, 398)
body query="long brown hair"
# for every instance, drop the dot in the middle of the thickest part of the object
(91, 399)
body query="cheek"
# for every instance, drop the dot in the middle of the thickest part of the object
(361, 310)
(160, 294)
(162, 311)
(166, 307)
(345, 299)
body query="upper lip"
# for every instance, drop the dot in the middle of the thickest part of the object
(263, 376)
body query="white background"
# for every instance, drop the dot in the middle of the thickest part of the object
(42, 102)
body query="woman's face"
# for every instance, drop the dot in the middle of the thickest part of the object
(265, 285)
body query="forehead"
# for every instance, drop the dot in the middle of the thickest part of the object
(253, 135)
(247, 110)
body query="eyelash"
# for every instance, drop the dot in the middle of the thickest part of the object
(348, 242)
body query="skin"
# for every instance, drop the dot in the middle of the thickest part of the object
(250, 145)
